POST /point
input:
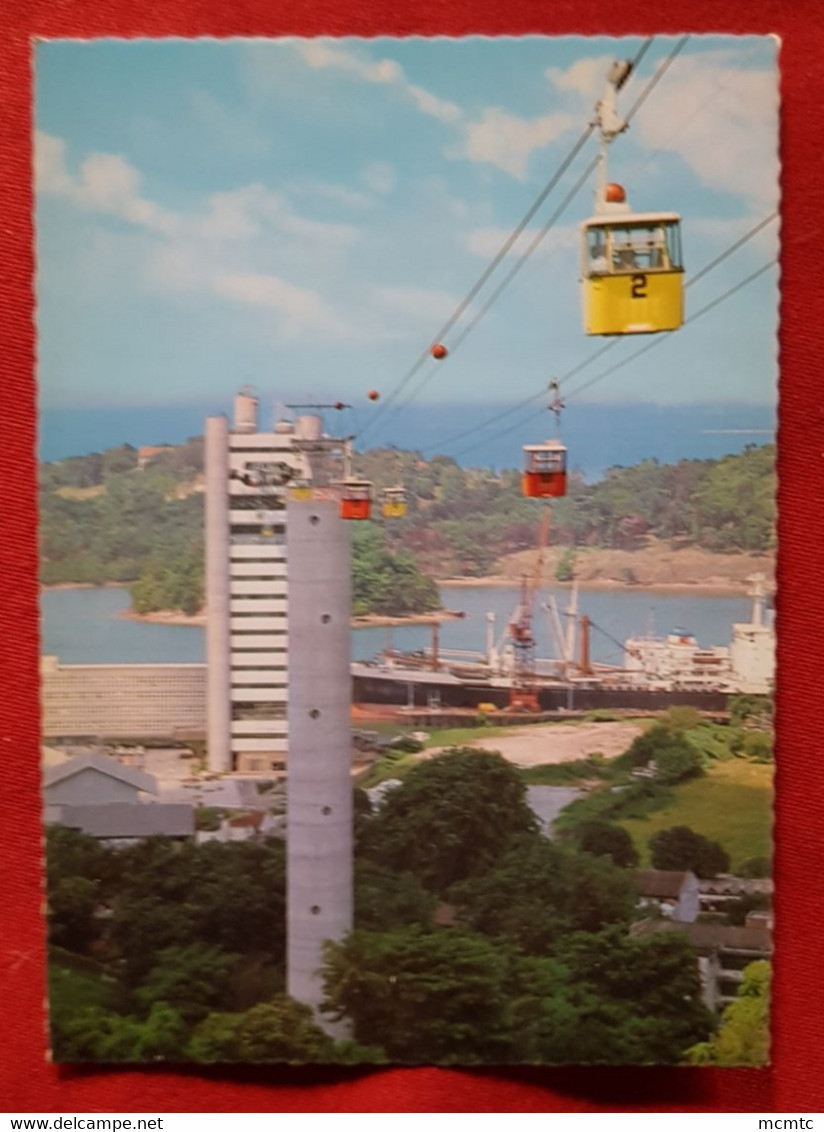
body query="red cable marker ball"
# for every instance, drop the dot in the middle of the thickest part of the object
(614, 193)
(439, 351)
(374, 395)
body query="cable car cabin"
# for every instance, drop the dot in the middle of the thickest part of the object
(356, 499)
(545, 471)
(300, 490)
(394, 503)
(632, 273)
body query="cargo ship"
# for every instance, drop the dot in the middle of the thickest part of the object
(657, 672)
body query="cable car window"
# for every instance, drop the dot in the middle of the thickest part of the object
(673, 234)
(597, 250)
(639, 248)
(547, 462)
(624, 252)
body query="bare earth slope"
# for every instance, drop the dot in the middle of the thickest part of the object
(657, 564)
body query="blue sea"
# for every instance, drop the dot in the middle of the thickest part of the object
(86, 626)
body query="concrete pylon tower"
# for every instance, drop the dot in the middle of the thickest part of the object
(319, 786)
(218, 705)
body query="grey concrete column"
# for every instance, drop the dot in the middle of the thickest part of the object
(218, 650)
(319, 786)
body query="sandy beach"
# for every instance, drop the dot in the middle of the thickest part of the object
(368, 621)
(698, 589)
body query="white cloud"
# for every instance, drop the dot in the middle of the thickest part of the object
(729, 139)
(320, 54)
(379, 177)
(508, 142)
(300, 309)
(717, 116)
(105, 183)
(585, 77)
(227, 248)
(50, 173)
(254, 210)
(433, 106)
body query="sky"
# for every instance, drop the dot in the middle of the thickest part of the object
(303, 215)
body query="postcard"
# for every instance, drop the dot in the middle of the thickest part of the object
(407, 519)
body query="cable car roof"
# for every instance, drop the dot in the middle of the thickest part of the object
(629, 219)
(555, 445)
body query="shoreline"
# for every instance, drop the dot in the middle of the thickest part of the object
(379, 620)
(364, 621)
(84, 586)
(608, 585)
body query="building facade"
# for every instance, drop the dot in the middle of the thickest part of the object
(135, 701)
(247, 473)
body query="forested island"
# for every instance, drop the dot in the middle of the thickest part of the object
(105, 520)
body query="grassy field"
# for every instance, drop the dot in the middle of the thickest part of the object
(462, 736)
(732, 804)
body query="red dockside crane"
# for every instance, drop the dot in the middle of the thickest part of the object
(523, 695)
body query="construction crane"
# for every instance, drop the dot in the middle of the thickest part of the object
(523, 694)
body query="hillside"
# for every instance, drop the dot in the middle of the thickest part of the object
(698, 522)
(659, 563)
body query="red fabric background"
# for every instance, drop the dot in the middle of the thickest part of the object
(796, 1081)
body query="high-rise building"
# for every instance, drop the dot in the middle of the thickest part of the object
(246, 586)
(278, 603)
(248, 474)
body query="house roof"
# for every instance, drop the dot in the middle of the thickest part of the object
(661, 882)
(735, 886)
(711, 937)
(103, 765)
(247, 821)
(131, 819)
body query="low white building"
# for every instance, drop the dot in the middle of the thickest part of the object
(140, 701)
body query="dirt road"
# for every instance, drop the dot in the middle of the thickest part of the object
(557, 742)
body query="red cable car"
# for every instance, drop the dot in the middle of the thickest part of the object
(356, 499)
(545, 470)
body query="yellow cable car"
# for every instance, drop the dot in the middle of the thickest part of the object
(545, 470)
(632, 273)
(394, 502)
(356, 499)
(300, 490)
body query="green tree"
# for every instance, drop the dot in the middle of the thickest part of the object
(743, 1037)
(665, 744)
(539, 892)
(72, 904)
(95, 1034)
(603, 839)
(452, 818)
(387, 899)
(677, 761)
(422, 996)
(193, 979)
(279, 1030)
(651, 987)
(681, 848)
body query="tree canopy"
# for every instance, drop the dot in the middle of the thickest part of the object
(681, 848)
(452, 818)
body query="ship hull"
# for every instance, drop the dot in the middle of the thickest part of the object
(448, 692)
